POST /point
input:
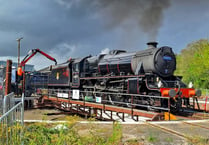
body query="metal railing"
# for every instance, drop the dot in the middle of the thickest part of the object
(8, 102)
(1, 105)
(105, 99)
(12, 121)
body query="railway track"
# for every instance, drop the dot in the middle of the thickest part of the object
(177, 133)
(167, 130)
(197, 125)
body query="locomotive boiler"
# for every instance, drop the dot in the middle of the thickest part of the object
(148, 72)
(160, 61)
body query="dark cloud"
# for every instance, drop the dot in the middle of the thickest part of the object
(47, 24)
(43, 24)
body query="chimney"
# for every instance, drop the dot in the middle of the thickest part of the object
(152, 45)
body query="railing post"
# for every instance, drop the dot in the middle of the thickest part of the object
(22, 109)
(169, 107)
(22, 118)
(4, 104)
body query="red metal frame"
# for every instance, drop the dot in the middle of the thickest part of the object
(34, 51)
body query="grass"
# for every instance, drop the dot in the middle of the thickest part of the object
(152, 138)
(68, 134)
(10, 135)
(169, 139)
(116, 136)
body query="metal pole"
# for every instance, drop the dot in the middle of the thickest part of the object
(5, 104)
(23, 82)
(169, 107)
(22, 109)
(18, 60)
(18, 47)
(22, 118)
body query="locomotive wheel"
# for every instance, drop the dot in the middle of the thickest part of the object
(164, 103)
(176, 105)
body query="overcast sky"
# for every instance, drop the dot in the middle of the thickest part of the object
(76, 28)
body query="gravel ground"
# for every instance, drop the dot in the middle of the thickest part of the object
(41, 114)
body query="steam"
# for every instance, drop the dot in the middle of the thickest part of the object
(147, 15)
(105, 51)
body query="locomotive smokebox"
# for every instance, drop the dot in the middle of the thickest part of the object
(160, 61)
(152, 45)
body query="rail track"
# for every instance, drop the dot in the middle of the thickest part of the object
(164, 129)
(174, 132)
(192, 124)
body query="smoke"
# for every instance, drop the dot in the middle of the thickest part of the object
(105, 51)
(147, 15)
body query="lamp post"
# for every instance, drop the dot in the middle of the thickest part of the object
(18, 61)
(18, 40)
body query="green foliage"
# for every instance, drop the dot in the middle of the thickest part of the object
(193, 63)
(152, 138)
(12, 135)
(67, 134)
(38, 134)
(116, 136)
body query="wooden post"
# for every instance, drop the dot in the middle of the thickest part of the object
(8, 77)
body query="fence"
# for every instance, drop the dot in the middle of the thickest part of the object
(12, 121)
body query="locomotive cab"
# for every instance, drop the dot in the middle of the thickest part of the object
(78, 70)
(76, 74)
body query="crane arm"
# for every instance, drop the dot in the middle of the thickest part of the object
(33, 52)
(48, 56)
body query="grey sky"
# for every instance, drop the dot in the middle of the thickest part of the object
(76, 28)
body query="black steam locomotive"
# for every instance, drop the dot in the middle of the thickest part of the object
(146, 72)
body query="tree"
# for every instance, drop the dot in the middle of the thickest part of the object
(193, 63)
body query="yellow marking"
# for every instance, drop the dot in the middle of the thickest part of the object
(169, 116)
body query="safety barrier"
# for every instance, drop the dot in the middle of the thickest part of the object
(12, 121)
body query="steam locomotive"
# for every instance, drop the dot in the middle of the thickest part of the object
(146, 72)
